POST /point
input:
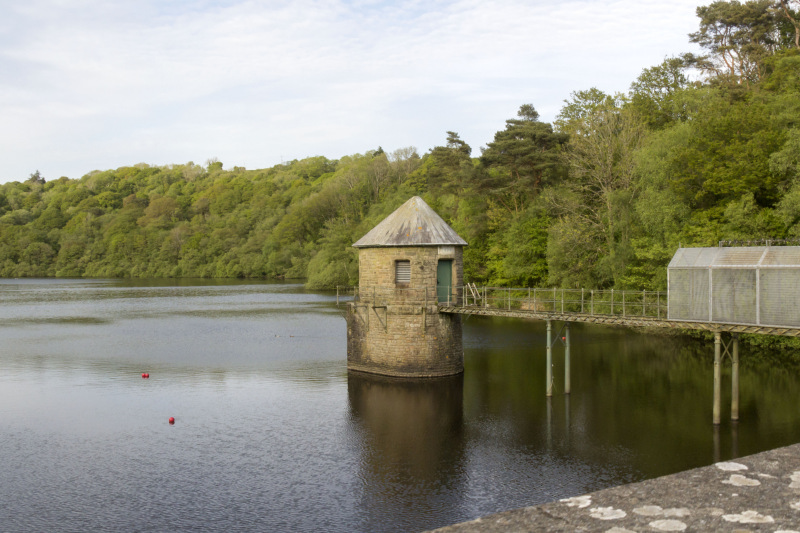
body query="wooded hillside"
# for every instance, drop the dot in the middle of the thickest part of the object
(701, 149)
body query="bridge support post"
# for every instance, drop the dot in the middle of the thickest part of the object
(735, 378)
(566, 359)
(716, 411)
(549, 424)
(549, 358)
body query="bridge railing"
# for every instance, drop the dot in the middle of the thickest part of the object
(383, 296)
(543, 300)
(553, 300)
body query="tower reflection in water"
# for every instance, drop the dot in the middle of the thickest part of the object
(411, 439)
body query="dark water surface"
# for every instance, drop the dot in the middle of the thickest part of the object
(272, 434)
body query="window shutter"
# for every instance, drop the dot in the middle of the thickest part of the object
(402, 272)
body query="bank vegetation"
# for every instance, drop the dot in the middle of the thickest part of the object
(700, 149)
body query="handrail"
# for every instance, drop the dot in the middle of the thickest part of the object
(591, 302)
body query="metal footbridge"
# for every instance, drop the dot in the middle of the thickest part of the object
(640, 309)
(608, 307)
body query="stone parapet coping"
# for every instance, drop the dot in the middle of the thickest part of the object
(760, 492)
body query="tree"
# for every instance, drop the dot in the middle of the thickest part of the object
(161, 212)
(36, 178)
(404, 161)
(378, 174)
(444, 169)
(793, 17)
(654, 93)
(575, 113)
(723, 151)
(739, 37)
(521, 159)
(602, 189)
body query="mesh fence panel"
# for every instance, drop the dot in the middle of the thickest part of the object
(706, 256)
(688, 294)
(734, 295)
(678, 260)
(779, 305)
(738, 256)
(690, 257)
(735, 280)
(780, 256)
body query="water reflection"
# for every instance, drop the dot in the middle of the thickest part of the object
(718, 438)
(275, 435)
(413, 444)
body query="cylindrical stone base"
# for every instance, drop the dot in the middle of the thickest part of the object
(403, 341)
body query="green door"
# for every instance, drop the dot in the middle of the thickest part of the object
(444, 280)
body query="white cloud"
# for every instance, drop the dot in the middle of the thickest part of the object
(94, 84)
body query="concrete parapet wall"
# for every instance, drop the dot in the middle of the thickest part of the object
(756, 493)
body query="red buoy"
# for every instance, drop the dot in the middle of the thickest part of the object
(144, 375)
(171, 420)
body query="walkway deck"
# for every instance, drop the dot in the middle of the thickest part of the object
(618, 320)
(620, 308)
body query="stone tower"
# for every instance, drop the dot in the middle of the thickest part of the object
(408, 264)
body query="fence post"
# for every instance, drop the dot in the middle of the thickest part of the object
(529, 299)
(549, 359)
(735, 377)
(591, 303)
(644, 301)
(581, 300)
(509, 298)
(562, 301)
(658, 305)
(623, 303)
(715, 412)
(566, 359)
(612, 302)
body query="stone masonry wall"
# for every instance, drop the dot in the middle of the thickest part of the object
(397, 330)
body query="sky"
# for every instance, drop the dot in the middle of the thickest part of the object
(100, 84)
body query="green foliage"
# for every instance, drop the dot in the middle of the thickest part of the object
(739, 38)
(601, 198)
(521, 160)
(724, 150)
(655, 95)
(603, 188)
(580, 107)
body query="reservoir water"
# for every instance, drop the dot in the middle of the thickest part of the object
(271, 433)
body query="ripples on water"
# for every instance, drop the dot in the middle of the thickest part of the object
(272, 434)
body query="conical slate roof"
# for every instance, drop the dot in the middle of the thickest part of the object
(413, 224)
